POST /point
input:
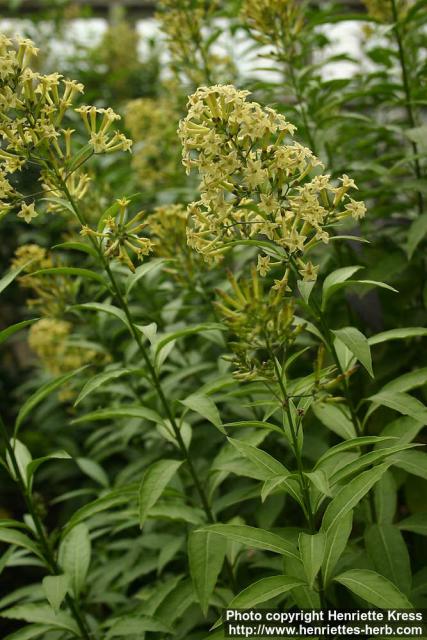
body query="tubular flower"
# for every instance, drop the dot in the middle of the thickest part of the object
(254, 184)
(33, 110)
(119, 237)
(98, 124)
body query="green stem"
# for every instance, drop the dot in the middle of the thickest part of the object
(408, 98)
(43, 540)
(297, 452)
(154, 376)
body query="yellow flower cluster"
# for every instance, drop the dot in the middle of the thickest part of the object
(274, 21)
(49, 337)
(32, 110)
(119, 237)
(152, 124)
(255, 186)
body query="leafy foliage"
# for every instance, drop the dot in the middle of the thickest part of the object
(239, 420)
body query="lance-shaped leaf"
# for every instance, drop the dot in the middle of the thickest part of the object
(374, 588)
(99, 380)
(55, 588)
(42, 614)
(267, 465)
(14, 328)
(264, 590)
(255, 538)
(351, 494)
(205, 407)
(335, 280)
(155, 479)
(387, 549)
(74, 556)
(312, 550)
(206, 552)
(358, 345)
(41, 394)
(336, 541)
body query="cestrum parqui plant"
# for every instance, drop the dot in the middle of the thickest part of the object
(256, 185)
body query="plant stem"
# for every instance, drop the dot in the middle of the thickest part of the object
(408, 98)
(297, 452)
(154, 376)
(43, 540)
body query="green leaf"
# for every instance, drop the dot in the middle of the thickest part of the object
(407, 381)
(204, 406)
(254, 423)
(385, 496)
(370, 458)
(42, 614)
(206, 552)
(136, 626)
(120, 412)
(336, 541)
(255, 538)
(104, 308)
(403, 403)
(78, 246)
(35, 464)
(288, 483)
(188, 331)
(71, 271)
(97, 381)
(94, 470)
(397, 334)
(416, 523)
(374, 588)
(305, 288)
(10, 536)
(387, 549)
(351, 444)
(358, 345)
(74, 556)
(417, 232)
(335, 280)
(320, 480)
(264, 590)
(350, 495)
(142, 271)
(55, 588)
(109, 501)
(22, 457)
(46, 390)
(11, 275)
(335, 419)
(312, 550)
(268, 465)
(29, 632)
(14, 328)
(155, 479)
(414, 462)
